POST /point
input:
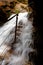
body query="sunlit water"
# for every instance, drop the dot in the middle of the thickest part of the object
(22, 49)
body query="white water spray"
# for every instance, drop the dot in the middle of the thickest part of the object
(22, 48)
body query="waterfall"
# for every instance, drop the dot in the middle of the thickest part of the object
(22, 48)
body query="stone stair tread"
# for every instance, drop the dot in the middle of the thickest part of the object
(19, 26)
(18, 34)
(18, 29)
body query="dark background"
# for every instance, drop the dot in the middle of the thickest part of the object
(38, 24)
(3, 17)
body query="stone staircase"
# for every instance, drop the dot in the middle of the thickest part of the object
(18, 32)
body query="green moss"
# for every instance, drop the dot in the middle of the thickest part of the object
(17, 11)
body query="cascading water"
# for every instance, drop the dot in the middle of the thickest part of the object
(22, 48)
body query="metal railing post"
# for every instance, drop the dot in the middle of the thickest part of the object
(12, 47)
(16, 27)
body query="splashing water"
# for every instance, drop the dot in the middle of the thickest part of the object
(22, 48)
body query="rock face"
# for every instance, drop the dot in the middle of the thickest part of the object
(13, 5)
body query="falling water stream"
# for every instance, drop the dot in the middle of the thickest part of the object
(22, 48)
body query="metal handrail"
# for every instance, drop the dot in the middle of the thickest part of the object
(15, 29)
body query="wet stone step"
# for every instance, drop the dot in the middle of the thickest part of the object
(18, 29)
(19, 26)
(20, 23)
(18, 34)
(18, 40)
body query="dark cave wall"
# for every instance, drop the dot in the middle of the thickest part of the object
(37, 23)
(3, 17)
